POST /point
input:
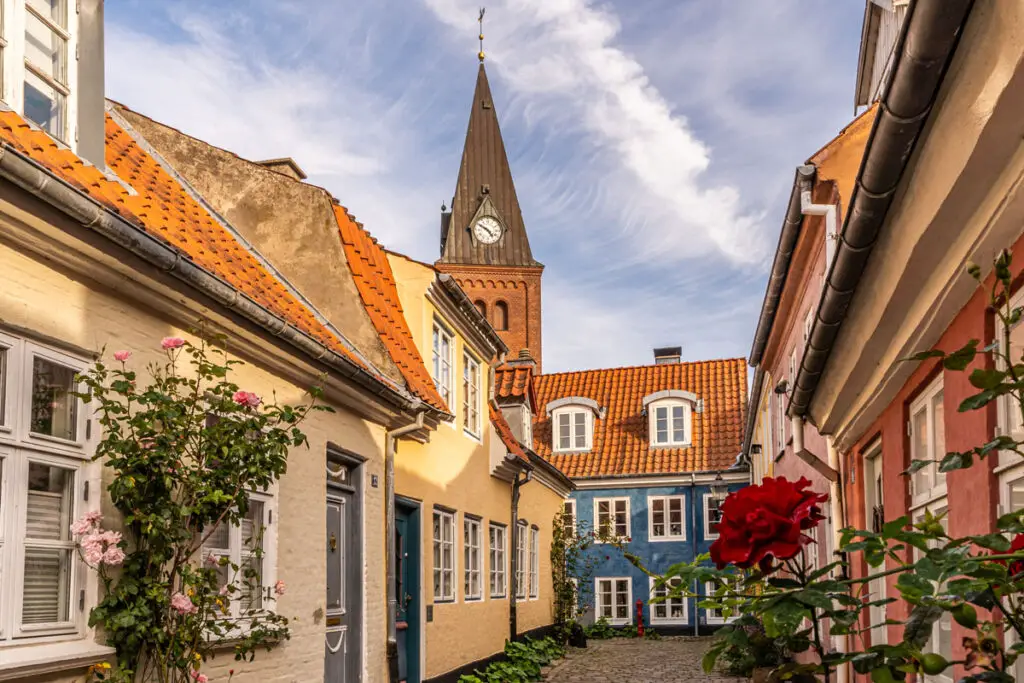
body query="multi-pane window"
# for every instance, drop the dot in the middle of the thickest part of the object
(244, 545)
(665, 607)
(716, 615)
(521, 559)
(572, 430)
(941, 640)
(614, 600)
(666, 518)
(1012, 500)
(928, 442)
(442, 348)
(42, 470)
(472, 558)
(670, 424)
(534, 562)
(444, 556)
(497, 558)
(569, 517)
(471, 394)
(611, 516)
(712, 515)
(46, 45)
(780, 423)
(874, 505)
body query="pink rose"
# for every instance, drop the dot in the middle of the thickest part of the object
(181, 604)
(113, 556)
(86, 523)
(211, 559)
(200, 678)
(223, 590)
(168, 343)
(246, 398)
(122, 355)
(279, 587)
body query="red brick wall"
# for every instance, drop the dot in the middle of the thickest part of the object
(519, 288)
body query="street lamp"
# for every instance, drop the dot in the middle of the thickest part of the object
(719, 489)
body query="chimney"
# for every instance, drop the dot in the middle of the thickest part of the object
(285, 166)
(668, 355)
(91, 102)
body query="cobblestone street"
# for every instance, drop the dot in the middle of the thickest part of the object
(636, 661)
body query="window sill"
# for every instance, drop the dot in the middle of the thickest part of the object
(17, 663)
(666, 539)
(475, 438)
(670, 622)
(657, 446)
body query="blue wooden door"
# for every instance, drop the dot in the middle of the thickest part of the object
(407, 575)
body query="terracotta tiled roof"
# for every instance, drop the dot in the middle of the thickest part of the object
(165, 209)
(504, 430)
(514, 381)
(620, 442)
(376, 284)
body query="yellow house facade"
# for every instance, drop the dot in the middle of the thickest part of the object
(480, 560)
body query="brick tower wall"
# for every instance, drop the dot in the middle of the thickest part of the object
(519, 288)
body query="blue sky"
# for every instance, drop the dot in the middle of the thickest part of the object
(652, 142)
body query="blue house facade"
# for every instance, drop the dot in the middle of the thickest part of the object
(652, 450)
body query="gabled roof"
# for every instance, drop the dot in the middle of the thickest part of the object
(515, 381)
(161, 206)
(621, 444)
(379, 293)
(484, 163)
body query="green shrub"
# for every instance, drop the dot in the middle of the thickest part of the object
(525, 660)
(600, 630)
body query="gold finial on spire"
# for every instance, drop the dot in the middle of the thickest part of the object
(480, 20)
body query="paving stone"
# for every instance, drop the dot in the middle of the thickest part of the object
(630, 660)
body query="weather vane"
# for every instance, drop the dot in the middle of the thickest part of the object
(480, 20)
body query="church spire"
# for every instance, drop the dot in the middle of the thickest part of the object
(485, 193)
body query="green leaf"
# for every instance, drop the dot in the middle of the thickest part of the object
(996, 542)
(925, 355)
(962, 357)
(980, 400)
(914, 586)
(782, 618)
(918, 629)
(915, 466)
(711, 656)
(955, 461)
(986, 379)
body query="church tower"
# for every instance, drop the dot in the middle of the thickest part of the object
(483, 238)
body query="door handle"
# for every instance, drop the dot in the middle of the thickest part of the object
(408, 599)
(333, 543)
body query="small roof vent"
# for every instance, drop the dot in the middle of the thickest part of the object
(285, 166)
(668, 355)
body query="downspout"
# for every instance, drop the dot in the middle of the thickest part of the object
(809, 208)
(390, 447)
(513, 590)
(693, 545)
(838, 514)
(823, 468)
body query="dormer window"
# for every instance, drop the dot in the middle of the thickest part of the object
(38, 45)
(572, 420)
(670, 417)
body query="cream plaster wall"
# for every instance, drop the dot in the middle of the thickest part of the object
(453, 470)
(37, 297)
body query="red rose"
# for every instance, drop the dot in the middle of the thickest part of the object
(766, 520)
(1016, 566)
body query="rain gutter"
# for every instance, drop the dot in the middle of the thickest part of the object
(920, 61)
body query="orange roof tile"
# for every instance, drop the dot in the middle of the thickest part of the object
(376, 284)
(621, 444)
(514, 381)
(161, 206)
(504, 430)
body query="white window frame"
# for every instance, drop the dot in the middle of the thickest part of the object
(236, 555)
(872, 497)
(472, 565)
(612, 503)
(534, 563)
(574, 444)
(471, 422)
(447, 518)
(935, 484)
(522, 557)
(669, 405)
(666, 587)
(936, 506)
(1009, 419)
(665, 501)
(15, 63)
(708, 534)
(441, 361)
(19, 447)
(498, 570)
(779, 413)
(599, 604)
(709, 614)
(1007, 479)
(569, 516)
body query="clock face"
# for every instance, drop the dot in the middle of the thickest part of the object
(487, 230)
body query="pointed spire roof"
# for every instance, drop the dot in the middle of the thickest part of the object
(485, 186)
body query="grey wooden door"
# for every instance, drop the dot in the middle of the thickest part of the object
(342, 659)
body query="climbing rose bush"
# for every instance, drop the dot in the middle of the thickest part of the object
(183, 447)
